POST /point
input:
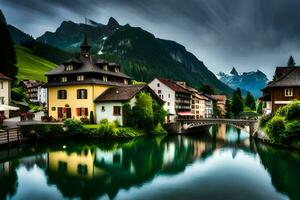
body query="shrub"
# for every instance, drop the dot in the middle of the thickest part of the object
(74, 126)
(41, 130)
(159, 129)
(293, 110)
(264, 120)
(275, 128)
(104, 121)
(84, 120)
(292, 129)
(107, 129)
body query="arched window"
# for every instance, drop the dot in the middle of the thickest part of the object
(82, 94)
(62, 94)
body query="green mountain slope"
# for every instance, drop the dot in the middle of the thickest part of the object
(141, 54)
(31, 66)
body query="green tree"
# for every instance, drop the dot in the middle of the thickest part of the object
(143, 111)
(159, 113)
(237, 102)
(207, 89)
(92, 118)
(228, 109)
(291, 62)
(250, 101)
(216, 109)
(260, 108)
(7, 53)
(127, 115)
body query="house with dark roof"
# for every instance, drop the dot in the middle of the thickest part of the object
(5, 93)
(284, 88)
(109, 104)
(178, 99)
(75, 84)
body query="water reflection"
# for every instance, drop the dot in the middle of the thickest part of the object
(124, 169)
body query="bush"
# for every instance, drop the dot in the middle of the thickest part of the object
(275, 128)
(41, 130)
(293, 110)
(264, 120)
(159, 129)
(292, 129)
(107, 129)
(74, 126)
(84, 120)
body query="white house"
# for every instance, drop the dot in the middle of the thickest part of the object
(5, 92)
(109, 104)
(178, 100)
(42, 95)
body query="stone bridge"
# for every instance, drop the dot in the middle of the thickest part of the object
(184, 125)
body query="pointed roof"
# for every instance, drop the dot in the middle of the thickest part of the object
(3, 77)
(85, 44)
(291, 78)
(173, 85)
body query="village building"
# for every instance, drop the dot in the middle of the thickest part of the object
(178, 100)
(110, 103)
(75, 84)
(209, 106)
(221, 103)
(284, 88)
(197, 103)
(5, 93)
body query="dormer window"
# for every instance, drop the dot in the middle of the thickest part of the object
(69, 68)
(125, 81)
(64, 79)
(117, 70)
(105, 78)
(105, 68)
(80, 77)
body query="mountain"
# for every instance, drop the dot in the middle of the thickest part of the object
(249, 81)
(31, 66)
(141, 54)
(18, 36)
(2, 18)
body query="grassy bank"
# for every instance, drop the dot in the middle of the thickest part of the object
(283, 126)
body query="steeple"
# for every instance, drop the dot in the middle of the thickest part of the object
(85, 47)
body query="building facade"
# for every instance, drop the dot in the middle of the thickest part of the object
(5, 93)
(109, 105)
(74, 85)
(221, 103)
(283, 89)
(178, 99)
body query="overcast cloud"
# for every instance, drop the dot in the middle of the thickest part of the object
(247, 34)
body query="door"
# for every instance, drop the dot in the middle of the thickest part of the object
(69, 113)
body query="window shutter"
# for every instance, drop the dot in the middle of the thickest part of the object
(59, 112)
(86, 111)
(78, 113)
(78, 94)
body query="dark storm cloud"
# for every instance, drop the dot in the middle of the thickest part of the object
(246, 33)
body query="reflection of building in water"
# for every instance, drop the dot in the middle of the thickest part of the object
(5, 168)
(80, 164)
(84, 164)
(199, 148)
(221, 133)
(169, 154)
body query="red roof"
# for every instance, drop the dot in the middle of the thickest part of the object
(3, 77)
(171, 84)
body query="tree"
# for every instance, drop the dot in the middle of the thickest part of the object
(260, 108)
(159, 113)
(237, 102)
(143, 111)
(127, 115)
(250, 101)
(207, 89)
(7, 53)
(92, 118)
(216, 109)
(291, 62)
(228, 109)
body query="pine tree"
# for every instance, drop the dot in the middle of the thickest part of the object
(7, 53)
(237, 102)
(207, 89)
(250, 101)
(291, 62)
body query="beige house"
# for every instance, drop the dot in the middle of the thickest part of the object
(5, 91)
(221, 103)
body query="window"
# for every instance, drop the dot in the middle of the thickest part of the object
(60, 112)
(288, 92)
(82, 112)
(169, 95)
(125, 81)
(158, 85)
(80, 78)
(62, 94)
(105, 68)
(117, 70)
(82, 94)
(105, 78)
(1, 100)
(64, 79)
(103, 109)
(69, 68)
(1, 84)
(82, 169)
(159, 91)
(117, 110)
(168, 103)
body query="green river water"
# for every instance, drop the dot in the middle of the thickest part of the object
(222, 164)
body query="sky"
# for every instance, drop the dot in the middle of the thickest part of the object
(245, 34)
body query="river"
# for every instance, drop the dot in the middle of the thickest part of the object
(223, 163)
